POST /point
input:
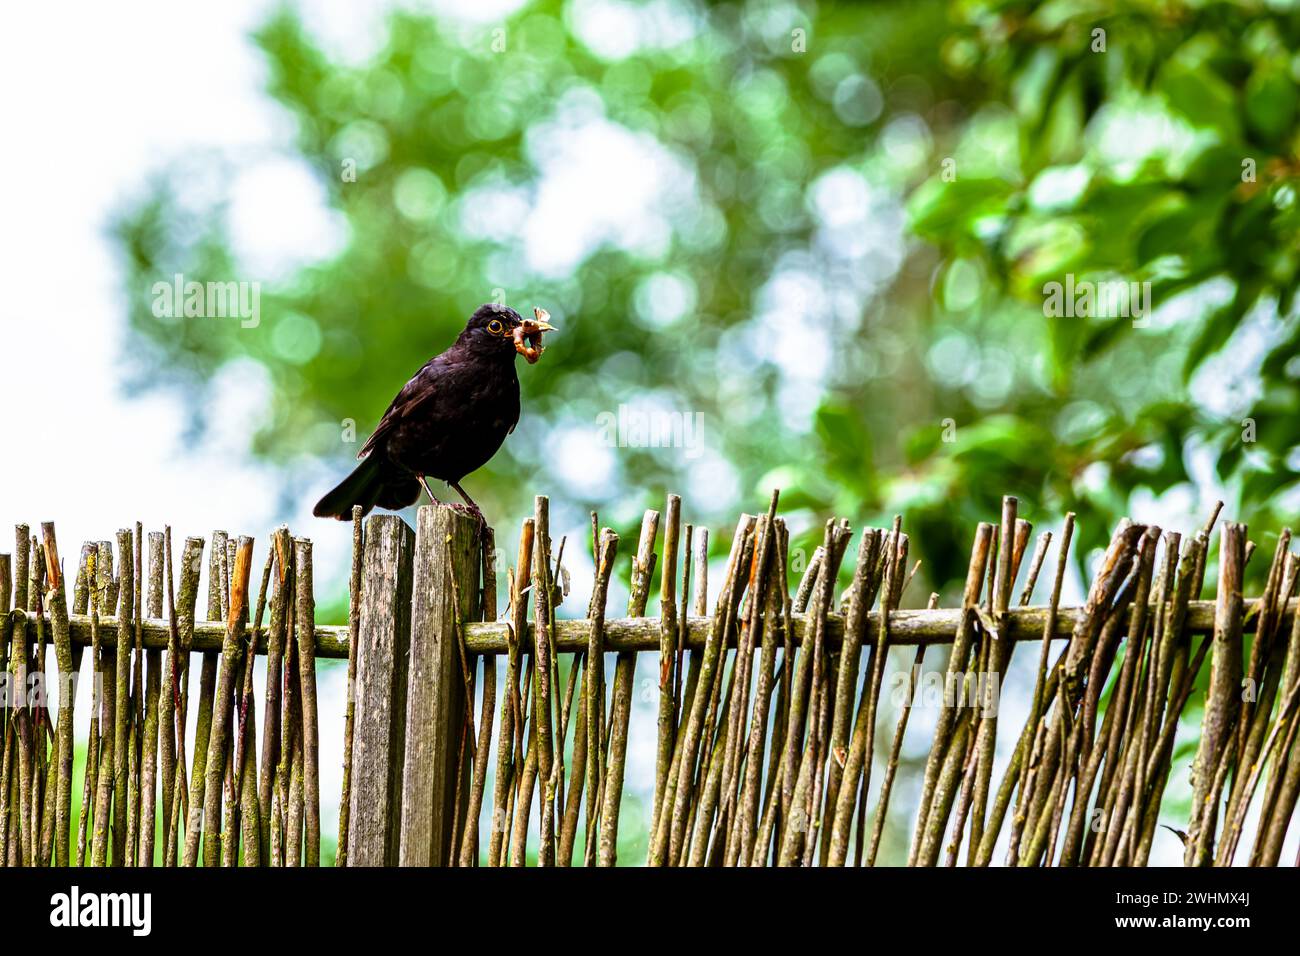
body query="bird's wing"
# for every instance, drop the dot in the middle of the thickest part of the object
(421, 387)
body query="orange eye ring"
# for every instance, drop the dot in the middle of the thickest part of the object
(495, 327)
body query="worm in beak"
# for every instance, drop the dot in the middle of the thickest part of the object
(528, 335)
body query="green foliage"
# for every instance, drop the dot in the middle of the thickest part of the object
(1125, 164)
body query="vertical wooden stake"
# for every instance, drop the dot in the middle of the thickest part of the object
(306, 627)
(1223, 700)
(380, 729)
(444, 594)
(157, 728)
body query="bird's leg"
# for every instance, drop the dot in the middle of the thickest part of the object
(432, 497)
(472, 507)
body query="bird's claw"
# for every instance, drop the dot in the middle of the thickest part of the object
(472, 511)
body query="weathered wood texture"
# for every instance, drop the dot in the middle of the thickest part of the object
(379, 739)
(444, 593)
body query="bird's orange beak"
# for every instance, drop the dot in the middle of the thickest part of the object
(528, 335)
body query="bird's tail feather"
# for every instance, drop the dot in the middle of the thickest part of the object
(369, 484)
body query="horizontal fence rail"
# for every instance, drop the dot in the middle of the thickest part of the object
(470, 740)
(907, 628)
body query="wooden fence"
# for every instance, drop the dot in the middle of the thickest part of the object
(768, 738)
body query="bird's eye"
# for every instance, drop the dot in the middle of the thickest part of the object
(495, 326)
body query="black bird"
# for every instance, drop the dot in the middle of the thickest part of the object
(448, 420)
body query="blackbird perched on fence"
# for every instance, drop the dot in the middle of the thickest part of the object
(448, 420)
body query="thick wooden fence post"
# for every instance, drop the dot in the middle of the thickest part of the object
(379, 734)
(445, 589)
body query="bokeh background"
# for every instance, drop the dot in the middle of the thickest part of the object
(820, 230)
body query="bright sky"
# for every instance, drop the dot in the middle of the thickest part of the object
(89, 113)
(132, 87)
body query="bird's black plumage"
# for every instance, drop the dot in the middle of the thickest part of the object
(447, 421)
